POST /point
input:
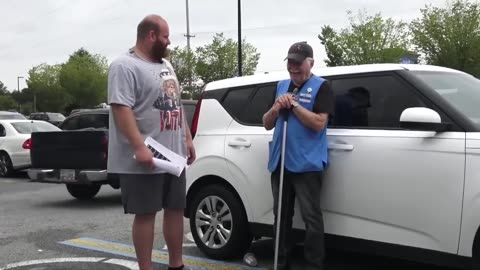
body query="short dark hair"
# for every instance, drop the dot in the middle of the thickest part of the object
(145, 26)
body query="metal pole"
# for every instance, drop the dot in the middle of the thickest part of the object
(18, 83)
(239, 38)
(189, 63)
(188, 25)
(280, 194)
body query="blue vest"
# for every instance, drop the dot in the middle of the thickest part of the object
(306, 150)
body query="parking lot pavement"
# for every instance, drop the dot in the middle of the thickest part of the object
(43, 228)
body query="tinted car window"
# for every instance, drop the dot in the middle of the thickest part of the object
(70, 123)
(259, 104)
(93, 121)
(87, 120)
(236, 100)
(371, 102)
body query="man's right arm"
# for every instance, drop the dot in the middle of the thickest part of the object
(121, 97)
(270, 117)
(127, 125)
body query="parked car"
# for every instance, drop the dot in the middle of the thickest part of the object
(403, 180)
(53, 118)
(77, 156)
(11, 115)
(15, 143)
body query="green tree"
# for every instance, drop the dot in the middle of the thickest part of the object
(184, 62)
(84, 78)
(367, 39)
(450, 36)
(3, 89)
(44, 89)
(7, 103)
(219, 59)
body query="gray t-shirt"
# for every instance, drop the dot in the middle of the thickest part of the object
(152, 91)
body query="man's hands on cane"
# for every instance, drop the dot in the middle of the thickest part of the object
(284, 102)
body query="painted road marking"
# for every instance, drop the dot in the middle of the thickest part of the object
(128, 264)
(157, 255)
(189, 237)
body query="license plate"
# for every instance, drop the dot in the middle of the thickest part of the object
(67, 175)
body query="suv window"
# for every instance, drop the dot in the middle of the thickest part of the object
(82, 121)
(93, 121)
(236, 100)
(371, 102)
(248, 104)
(70, 123)
(259, 104)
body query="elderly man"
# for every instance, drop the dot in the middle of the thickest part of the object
(305, 101)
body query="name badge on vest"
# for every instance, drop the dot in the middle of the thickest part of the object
(306, 97)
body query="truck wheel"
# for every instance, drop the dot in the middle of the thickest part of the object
(83, 192)
(6, 166)
(218, 223)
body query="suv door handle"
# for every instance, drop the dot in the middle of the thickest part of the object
(239, 142)
(340, 146)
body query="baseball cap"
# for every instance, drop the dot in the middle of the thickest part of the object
(299, 51)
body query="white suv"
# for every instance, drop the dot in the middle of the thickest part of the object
(404, 147)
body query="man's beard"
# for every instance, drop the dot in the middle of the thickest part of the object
(159, 51)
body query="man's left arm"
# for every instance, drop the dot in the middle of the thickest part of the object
(322, 108)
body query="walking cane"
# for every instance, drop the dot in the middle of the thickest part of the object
(280, 191)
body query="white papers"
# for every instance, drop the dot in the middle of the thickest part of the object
(165, 159)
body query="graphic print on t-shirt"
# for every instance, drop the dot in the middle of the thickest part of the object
(168, 103)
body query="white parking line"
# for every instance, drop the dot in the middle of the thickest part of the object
(57, 260)
(125, 263)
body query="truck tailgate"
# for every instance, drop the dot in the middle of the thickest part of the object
(82, 149)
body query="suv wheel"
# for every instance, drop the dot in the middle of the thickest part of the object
(83, 192)
(218, 223)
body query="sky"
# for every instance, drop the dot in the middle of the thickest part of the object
(33, 32)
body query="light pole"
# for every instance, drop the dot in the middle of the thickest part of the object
(18, 83)
(239, 38)
(189, 53)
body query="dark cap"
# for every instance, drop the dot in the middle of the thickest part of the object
(299, 51)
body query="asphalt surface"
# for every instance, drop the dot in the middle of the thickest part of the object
(42, 227)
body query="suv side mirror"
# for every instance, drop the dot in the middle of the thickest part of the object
(421, 118)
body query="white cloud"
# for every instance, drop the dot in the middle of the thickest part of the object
(34, 32)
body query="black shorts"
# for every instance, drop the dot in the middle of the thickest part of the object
(150, 193)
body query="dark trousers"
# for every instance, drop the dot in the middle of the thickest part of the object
(306, 188)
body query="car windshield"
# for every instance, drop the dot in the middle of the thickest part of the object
(29, 127)
(12, 116)
(56, 117)
(459, 89)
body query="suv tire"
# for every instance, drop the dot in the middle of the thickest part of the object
(219, 223)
